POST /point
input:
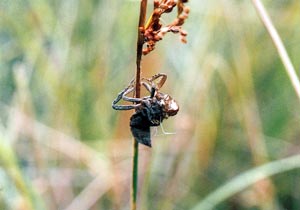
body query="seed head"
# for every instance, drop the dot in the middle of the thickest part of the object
(154, 30)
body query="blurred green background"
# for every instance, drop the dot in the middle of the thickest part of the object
(63, 147)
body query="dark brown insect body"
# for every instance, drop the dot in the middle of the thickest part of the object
(150, 110)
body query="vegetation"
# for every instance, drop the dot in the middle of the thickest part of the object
(63, 147)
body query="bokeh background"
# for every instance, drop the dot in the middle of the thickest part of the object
(63, 147)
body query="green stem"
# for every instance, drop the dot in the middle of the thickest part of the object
(278, 44)
(9, 163)
(135, 174)
(139, 53)
(246, 179)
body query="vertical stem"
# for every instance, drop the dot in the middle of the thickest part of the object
(139, 50)
(139, 53)
(278, 44)
(134, 174)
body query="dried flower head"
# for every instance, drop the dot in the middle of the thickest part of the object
(154, 30)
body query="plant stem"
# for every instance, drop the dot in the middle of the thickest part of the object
(278, 44)
(139, 53)
(134, 174)
(246, 179)
(8, 162)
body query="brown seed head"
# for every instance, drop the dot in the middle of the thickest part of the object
(154, 30)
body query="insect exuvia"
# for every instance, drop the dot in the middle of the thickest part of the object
(149, 110)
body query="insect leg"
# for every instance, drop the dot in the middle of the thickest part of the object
(125, 107)
(130, 99)
(161, 81)
(150, 88)
(147, 86)
(121, 95)
(164, 132)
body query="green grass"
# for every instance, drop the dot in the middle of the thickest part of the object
(63, 62)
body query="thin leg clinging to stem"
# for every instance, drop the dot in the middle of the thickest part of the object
(147, 86)
(153, 87)
(122, 95)
(161, 81)
(130, 99)
(152, 90)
